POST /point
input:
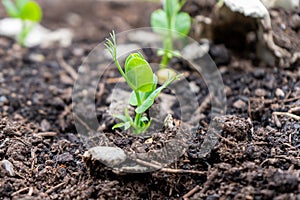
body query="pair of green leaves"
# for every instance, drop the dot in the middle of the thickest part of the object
(171, 19)
(139, 73)
(23, 9)
(142, 81)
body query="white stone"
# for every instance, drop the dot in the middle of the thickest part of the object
(252, 8)
(110, 156)
(39, 35)
(285, 4)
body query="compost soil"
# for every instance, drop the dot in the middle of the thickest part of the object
(257, 156)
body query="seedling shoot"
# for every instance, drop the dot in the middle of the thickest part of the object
(143, 82)
(28, 11)
(171, 24)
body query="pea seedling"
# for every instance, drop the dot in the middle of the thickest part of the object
(140, 78)
(28, 11)
(171, 24)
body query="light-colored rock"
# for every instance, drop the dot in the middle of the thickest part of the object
(164, 74)
(239, 104)
(253, 8)
(285, 4)
(260, 92)
(39, 35)
(230, 14)
(8, 167)
(295, 21)
(110, 156)
(279, 93)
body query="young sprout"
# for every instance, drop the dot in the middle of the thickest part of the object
(28, 11)
(171, 24)
(143, 82)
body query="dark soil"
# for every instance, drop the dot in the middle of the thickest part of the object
(257, 157)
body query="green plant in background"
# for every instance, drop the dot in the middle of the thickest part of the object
(140, 78)
(171, 24)
(28, 11)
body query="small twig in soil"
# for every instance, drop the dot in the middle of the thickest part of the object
(55, 188)
(291, 99)
(277, 122)
(46, 134)
(249, 109)
(30, 192)
(191, 192)
(289, 145)
(115, 80)
(168, 170)
(290, 137)
(148, 164)
(295, 110)
(210, 178)
(181, 171)
(296, 117)
(3, 143)
(19, 191)
(65, 65)
(20, 140)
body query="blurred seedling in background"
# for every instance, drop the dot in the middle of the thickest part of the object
(140, 78)
(171, 24)
(28, 11)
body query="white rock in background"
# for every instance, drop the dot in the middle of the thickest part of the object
(285, 4)
(11, 27)
(252, 8)
(229, 14)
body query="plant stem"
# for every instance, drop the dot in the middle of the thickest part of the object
(138, 115)
(168, 48)
(167, 45)
(22, 34)
(25, 30)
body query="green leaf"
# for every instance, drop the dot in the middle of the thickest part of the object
(171, 8)
(150, 100)
(127, 125)
(11, 8)
(159, 22)
(21, 3)
(119, 125)
(121, 117)
(182, 24)
(31, 11)
(144, 119)
(138, 73)
(132, 99)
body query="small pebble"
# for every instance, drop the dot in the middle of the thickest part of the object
(45, 125)
(110, 156)
(260, 92)
(259, 73)
(239, 104)
(3, 99)
(65, 157)
(8, 167)
(164, 74)
(34, 57)
(295, 21)
(279, 93)
(194, 87)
